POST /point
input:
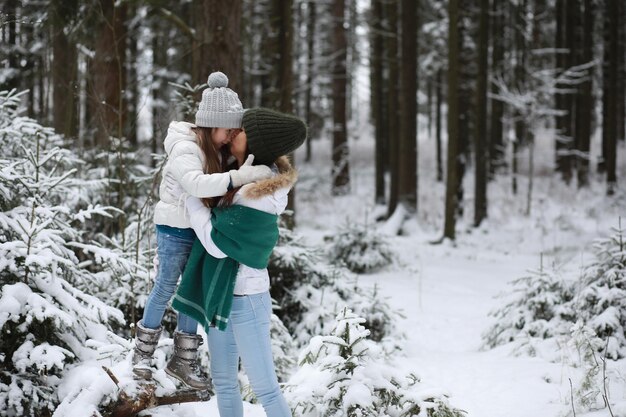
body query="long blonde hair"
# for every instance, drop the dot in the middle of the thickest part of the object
(212, 161)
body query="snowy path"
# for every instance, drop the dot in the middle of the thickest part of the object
(446, 306)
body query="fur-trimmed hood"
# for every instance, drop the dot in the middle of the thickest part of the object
(286, 178)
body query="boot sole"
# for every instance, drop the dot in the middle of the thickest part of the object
(176, 377)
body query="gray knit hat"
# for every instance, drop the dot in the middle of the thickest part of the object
(220, 106)
(272, 134)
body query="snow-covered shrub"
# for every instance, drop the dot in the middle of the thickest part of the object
(601, 302)
(381, 319)
(587, 346)
(44, 318)
(343, 373)
(310, 291)
(537, 307)
(544, 307)
(360, 247)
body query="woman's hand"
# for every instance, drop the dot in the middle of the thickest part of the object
(248, 173)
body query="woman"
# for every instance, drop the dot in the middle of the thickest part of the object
(226, 283)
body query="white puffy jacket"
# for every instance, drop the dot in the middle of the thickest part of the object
(185, 166)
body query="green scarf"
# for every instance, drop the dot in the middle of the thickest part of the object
(246, 236)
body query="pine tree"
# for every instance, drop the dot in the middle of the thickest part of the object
(45, 318)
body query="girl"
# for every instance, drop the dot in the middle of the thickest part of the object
(194, 164)
(226, 283)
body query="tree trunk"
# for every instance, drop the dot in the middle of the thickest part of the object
(40, 74)
(439, 94)
(247, 53)
(610, 77)
(285, 60)
(569, 133)
(28, 80)
(160, 45)
(519, 11)
(10, 10)
(407, 166)
(108, 76)
(621, 78)
(285, 85)
(391, 96)
(480, 140)
(585, 111)
(270, 88)
(132, 96)
(217, 42)
(531, 172)
(340, 171)
(452, 181)
(561, 142)
(467, 77)
(496, 144)
(64, 70)
(429, 106)
(310, 33)
(352, 57)
(376, 77)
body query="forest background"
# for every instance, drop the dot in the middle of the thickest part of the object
(448, 128)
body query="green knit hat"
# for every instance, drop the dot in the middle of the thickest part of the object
(272, 134)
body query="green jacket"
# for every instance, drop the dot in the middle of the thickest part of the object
(246, 236)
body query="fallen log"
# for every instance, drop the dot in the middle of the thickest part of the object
(145, 398)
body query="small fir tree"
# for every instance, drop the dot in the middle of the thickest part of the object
(344, 373)
(537, 307)
(544, 307)
(586, 345)
(602, 299)
(360, 247)
(44, 318)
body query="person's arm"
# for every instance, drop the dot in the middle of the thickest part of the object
(188, 171)
(200, 219)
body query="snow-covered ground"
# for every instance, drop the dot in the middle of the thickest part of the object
(447, 291)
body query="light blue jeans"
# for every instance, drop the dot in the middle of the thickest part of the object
(173, 248)
(247, 335)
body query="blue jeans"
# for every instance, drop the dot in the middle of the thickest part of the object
(247, 335)
(173, 247)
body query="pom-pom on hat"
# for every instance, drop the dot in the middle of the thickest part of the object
(220, 106)
(272, 134)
